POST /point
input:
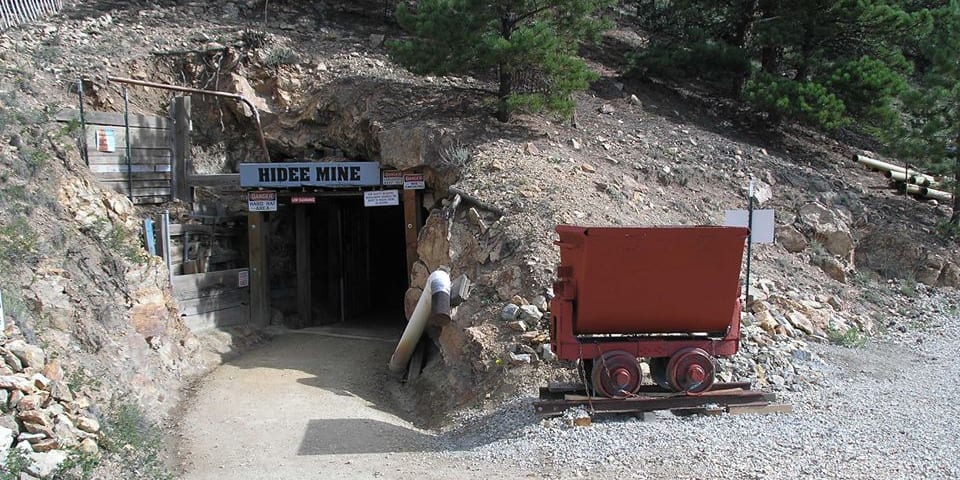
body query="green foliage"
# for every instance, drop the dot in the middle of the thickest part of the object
(77, 466)
(851, 338)
(709, 60)
(134, 442)
(808, 102)
(530, 44)
(18, 243)
(16, 463)
(868, 87)
(117, 239)
(280, 56)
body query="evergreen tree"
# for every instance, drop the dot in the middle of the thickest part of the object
(530, 44)
(931, 134)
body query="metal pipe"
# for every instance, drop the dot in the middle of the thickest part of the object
(83, 124)
(431, 303)
(878, 165)
(916, 179)
(925, 192)
(126, 130)
(235, 96)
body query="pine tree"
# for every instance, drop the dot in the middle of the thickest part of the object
(931, 134)
(531, 45)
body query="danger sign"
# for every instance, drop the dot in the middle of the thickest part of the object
(262, 201)
(413, 181)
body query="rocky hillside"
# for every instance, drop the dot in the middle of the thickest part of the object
(77, 283)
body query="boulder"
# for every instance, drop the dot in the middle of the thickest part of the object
(520, 358)
(43, 464)
(929, 272)
(832, 267)
(89, 446)
(541, 303)
(59, 390)
(801, 322)
(87, 424)
(530, 313)
(30, 355)
(546, 353)
(14, 382)
(11, 360)
(950, 276)
(509, 312)
(518, 326)
(829, 227)
(766, 321)
(6, 440)
(419, 275)
(35, 421)
(791, 239)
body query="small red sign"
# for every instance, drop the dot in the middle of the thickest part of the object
(303, 199)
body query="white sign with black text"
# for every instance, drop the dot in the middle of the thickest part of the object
(262, 201)
(762, 231)
(381, 198)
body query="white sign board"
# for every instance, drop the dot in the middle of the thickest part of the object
(310, 174)
(392, 178)
(243, 280)
(762, 231)
(262, 201)
(381, 198)
(413, 181)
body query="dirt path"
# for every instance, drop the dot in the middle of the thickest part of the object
(308, 405)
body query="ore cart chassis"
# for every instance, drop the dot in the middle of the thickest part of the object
(732, 398)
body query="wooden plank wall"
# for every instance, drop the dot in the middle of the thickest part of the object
(212, 300)
(151, 153)
(18, 12)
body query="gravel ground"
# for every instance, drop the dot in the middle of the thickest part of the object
(887, 410)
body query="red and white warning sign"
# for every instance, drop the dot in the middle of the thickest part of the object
(392, 178)
(262, 201)
(303, 199)
(413, 181)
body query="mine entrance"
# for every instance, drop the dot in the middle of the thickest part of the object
(357, 267)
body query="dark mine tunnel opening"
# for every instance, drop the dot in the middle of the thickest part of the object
(358, 267)
(353, 272)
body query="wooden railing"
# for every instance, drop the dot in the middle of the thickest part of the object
(18, 12)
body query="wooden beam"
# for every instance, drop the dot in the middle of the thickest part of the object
(153, 156)
(215, 301)
(411, 227)
(215, 180)
(183, 162)
(304, 270)
(111, 119)
(219, 318)
(259, 288)
(190, 286)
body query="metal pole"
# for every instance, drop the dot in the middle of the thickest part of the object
(3, 318)
(83, 124)
(746, 298)
(166, 245)
(126, 127)
(256, 114)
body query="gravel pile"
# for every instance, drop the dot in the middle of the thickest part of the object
(887, 410)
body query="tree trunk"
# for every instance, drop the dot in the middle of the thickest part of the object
(740, 39)
(955, 217)
(504, 74)
(506, 88)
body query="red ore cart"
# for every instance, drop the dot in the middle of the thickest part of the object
(667, 294)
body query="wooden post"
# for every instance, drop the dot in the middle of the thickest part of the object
(304, 270)
(165, 244)
(183, 163)
(411, 225)
(259, 288)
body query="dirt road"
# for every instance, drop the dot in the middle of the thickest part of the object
(309, 405)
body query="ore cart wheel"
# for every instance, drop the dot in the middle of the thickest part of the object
(658, 371)
(691, 370)
(616, 374)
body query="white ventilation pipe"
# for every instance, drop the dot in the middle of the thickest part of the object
(435, 300)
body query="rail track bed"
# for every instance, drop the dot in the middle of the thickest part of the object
(733, 398)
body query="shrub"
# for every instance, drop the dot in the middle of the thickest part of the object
(804, 101)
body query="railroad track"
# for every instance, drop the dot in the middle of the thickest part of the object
(733, 398)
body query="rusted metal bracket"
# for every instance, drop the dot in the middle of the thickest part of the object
(177, 88)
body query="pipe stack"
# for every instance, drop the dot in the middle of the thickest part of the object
(907, 180)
